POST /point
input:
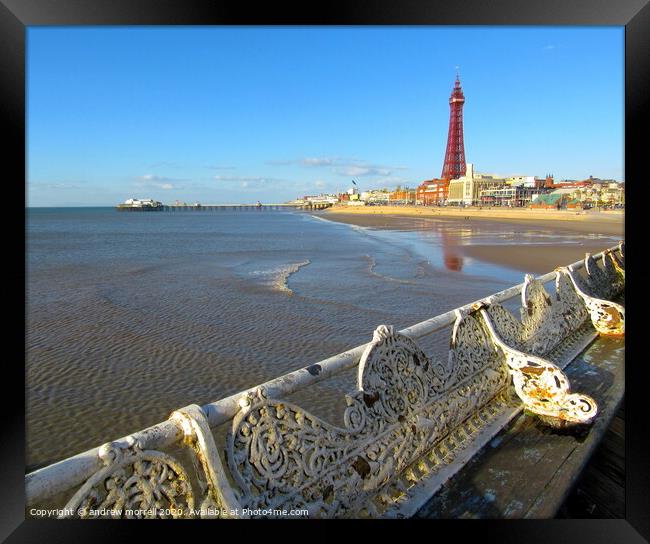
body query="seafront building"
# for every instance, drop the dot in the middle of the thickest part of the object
(481, 189)
(376, 196)
(402, 195)
(514, 196)
(582, 195)
(473, 188)
(433, 192)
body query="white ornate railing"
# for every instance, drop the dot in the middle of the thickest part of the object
(411, 423)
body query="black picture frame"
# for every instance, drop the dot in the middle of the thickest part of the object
(17, 15)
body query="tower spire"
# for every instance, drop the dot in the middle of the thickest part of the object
(454, 165)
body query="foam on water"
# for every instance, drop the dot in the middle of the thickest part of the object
(277, 277)
(371, 270)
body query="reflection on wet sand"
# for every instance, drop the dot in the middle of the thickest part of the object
(453, 259)
(532, 247)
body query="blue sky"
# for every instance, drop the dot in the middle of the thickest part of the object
(239, 114)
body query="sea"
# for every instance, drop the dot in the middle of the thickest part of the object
(133, 315)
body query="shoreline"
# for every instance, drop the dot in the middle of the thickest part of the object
(603, 222)
(591, 232)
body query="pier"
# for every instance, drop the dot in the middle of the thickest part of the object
(499, 428)
(224, 207)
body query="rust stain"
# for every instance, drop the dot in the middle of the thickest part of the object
(328, 492)
(314, 370)
(369, 400)
(536, 371)
(361, 466)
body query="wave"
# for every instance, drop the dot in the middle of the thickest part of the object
(358, 228)
(371, 271)
(277, 278)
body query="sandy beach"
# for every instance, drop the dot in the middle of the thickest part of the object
(567, 235)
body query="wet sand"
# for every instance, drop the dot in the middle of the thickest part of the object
(603, 222)
(538, 258)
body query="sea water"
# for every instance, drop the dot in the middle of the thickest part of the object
(133, 315)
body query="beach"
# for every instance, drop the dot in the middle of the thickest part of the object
(560, 237)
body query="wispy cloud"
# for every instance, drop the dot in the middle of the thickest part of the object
(158, 182)
(354, 171)
(219, 167)
(53, 185)
(244, 178)
(548, 47)
(280, 162)
(342, 166)
(316, 161)
(165, 164)
(252, 182)
(390, 181)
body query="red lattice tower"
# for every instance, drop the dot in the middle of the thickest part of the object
(454, 166)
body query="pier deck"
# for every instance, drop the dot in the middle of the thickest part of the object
(531, 471)
(600, 490)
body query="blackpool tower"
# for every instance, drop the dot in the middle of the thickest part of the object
(454, 166)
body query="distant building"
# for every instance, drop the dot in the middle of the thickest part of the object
(433, 192)
(376, 196)
(594, 194)
(521, 181)
(559, 199)
(546, 182)
(402, 196)
(466, 190)
(513, 196)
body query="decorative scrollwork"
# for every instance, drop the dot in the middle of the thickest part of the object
(220, 500)
(509, 327)
(542, 386)
(568, 303)
(277, 452)
(470, 347)
(607, 317)
(615, 270)
(281, 455)
(545, 322)
(135, 483)
(394, 367)
(597, 279)
(543, 326)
